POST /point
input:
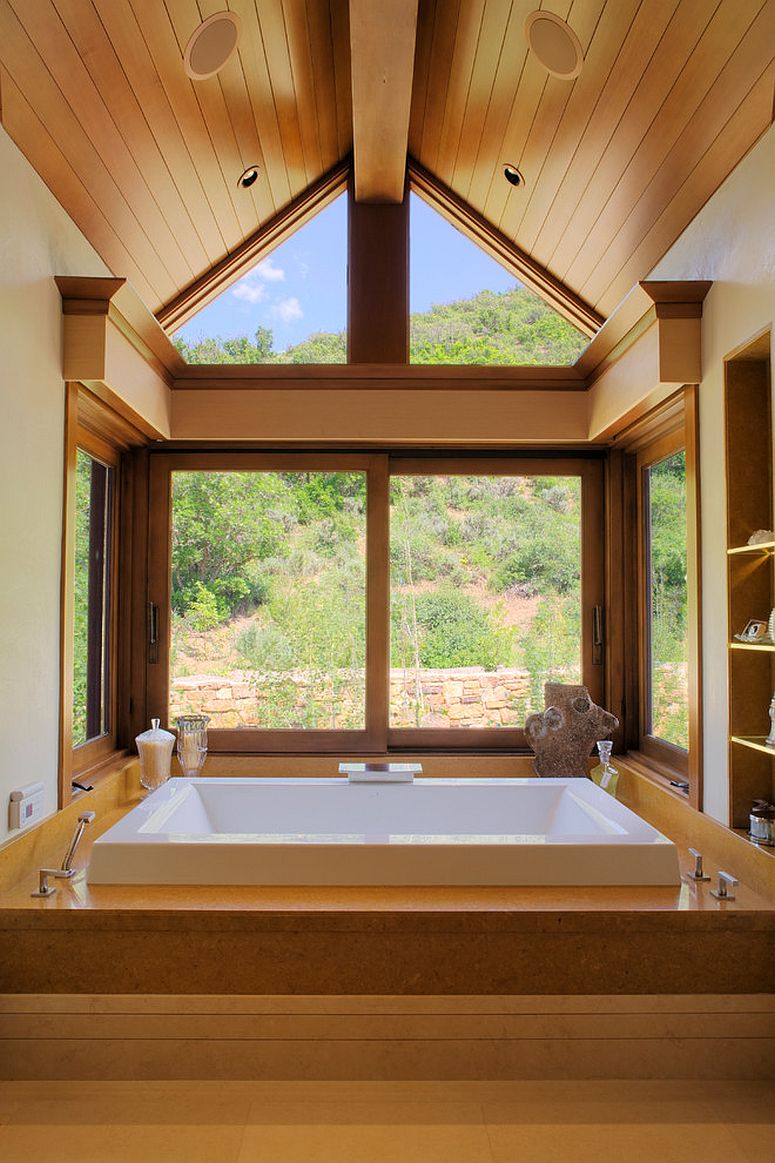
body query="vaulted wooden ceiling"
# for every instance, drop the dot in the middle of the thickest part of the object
(616, 162)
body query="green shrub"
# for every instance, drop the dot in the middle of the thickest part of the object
(455, 631)
(264, 648)
(205, 610)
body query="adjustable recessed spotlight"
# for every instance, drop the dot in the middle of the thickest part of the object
(210, 45)
(248, 177)
(555, 44)
(512, 175)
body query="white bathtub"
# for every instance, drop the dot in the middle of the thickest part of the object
(432, 831)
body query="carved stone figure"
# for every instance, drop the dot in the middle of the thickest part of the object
(564, 734)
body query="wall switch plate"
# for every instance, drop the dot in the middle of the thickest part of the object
(26, 806)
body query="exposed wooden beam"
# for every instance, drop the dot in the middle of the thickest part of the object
(382, 37)
(503, 250)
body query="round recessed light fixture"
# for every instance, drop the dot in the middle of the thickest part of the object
(210, 45)
(555, 44)
(248, 177)
(513, 175)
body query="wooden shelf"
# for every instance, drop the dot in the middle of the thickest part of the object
(750, 572)
(755, 742)
(767, 547)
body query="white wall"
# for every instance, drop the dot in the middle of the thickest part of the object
(37, 240)
(731, 241)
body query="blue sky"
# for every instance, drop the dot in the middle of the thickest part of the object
(301, 287)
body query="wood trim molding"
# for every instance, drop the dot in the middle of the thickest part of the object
(96, 415)
(648, 301)
(293, 216)
(377, 377)
(502, 249)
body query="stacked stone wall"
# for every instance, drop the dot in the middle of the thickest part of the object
(456, 697)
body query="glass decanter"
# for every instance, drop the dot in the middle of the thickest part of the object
(605, 774)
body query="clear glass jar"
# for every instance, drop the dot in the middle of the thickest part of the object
(192, 743)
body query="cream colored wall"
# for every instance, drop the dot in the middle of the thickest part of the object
(732, 241)
(37, 241)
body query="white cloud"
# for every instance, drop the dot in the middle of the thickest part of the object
(250, 291)
(289, 310)
(268, 271)
(252, 287)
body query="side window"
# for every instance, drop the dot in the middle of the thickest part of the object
(668, 673)
(666, 693)
(88, 728)
(92, 647)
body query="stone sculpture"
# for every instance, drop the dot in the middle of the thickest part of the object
(564, 734)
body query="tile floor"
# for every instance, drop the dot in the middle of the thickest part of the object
(387, 1122)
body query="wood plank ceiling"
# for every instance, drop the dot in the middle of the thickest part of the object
(616, 162)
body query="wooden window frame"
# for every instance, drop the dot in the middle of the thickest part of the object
(590, 470)
(377, 737)
(369, 739)
(79, 759)
(671, 428)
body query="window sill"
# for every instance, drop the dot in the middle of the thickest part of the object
(99, 772)
(661, 774)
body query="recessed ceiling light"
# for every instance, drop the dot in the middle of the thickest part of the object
(210, 45)
(555, 44)
(248, 177)
(512, 175)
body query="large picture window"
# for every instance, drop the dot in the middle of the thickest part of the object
(362, 602)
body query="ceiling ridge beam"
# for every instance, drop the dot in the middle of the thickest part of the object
(256, 246)
(382, 42)
(525, 268)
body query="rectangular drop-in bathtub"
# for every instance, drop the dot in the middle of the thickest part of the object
(432, 831)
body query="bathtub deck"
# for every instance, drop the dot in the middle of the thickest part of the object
(395, 940)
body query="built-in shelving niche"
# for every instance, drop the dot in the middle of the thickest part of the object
(749, 466)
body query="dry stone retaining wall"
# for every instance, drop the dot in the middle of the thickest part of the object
(457, 697)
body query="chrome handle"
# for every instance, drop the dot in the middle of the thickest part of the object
(84, 819)
(725, 882)
(153, 624)
(46, 889)
(698, 873)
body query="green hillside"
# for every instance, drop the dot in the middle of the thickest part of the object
(507, 328)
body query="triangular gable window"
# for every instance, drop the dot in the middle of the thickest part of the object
(291, 307)
(467, 309)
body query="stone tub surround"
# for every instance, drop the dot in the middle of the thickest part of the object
(436, 941)
(385, 983)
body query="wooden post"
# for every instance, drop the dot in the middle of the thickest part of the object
(378, 281)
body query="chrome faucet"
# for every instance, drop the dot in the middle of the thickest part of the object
(66, 870)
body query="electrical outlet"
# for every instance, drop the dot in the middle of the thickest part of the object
(26, 806)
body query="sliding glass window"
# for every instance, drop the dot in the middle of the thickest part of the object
(315, 602)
